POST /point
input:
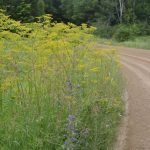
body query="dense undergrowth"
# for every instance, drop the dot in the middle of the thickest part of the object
(123, 32)
(58, 89)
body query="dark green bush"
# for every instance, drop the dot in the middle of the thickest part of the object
(104, 31)
(140, 29)
(127, 32)
(144, 29)
(123, 33)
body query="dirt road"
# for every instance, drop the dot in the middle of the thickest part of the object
(136, 67)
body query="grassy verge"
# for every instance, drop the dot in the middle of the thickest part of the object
(58, 90)
(138, 42)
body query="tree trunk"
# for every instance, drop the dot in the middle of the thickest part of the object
(121, 8)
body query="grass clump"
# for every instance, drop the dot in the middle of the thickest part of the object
(58, 89)
(139, 42)
(142, 42)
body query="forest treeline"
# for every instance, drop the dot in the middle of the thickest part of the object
(102, 13)
(78, 11)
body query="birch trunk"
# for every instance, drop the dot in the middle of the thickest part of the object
(121, 8)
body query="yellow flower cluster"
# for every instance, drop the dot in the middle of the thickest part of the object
(56, 59)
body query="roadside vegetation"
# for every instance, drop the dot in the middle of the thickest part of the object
(131, 35)
(58, 88)
(138, 42)
(141, 42)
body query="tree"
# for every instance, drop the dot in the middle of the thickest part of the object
(107, 12)
(54, 7)
(67, 9)
(79, 11)
(24, 12)
(121, 9)
(40, 7)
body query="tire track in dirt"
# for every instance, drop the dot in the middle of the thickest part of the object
(136, 68)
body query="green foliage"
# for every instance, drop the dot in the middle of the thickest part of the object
(104, 14)
(23, 12)
(79, 11)
(40, 8)
(128, 32)
(123, 33)
(142, 11)
(104, 31)
(7, 24)
(143, 29)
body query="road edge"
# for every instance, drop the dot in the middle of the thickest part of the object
(122, 131)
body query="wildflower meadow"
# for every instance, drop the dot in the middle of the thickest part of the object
(58, 88)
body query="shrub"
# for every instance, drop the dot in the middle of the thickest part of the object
(139, 29)
(127, 32)
(123, 33)
(7, 24)
(144, 29)
(104, 31)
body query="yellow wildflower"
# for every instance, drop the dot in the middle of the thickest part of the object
(95, 70)
(80, 66)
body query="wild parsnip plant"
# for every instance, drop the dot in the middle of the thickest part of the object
(58, 89)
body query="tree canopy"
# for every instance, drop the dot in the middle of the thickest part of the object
(78, 11)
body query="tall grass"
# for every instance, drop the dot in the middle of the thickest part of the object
(58, 90)
(138, 42)
(142, 42)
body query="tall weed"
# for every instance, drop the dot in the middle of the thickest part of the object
(58, 89)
